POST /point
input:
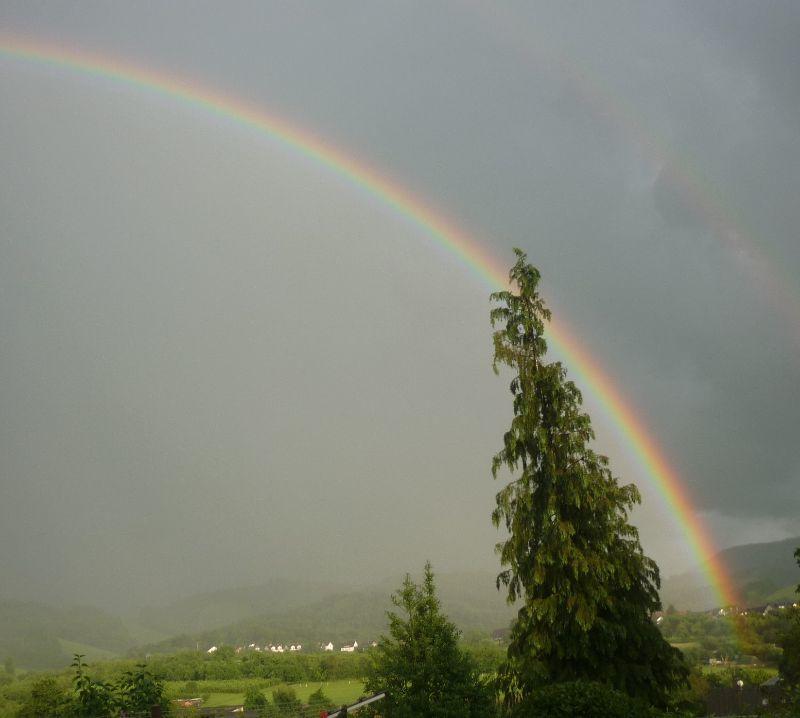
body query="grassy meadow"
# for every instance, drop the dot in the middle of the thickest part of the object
(217, 693)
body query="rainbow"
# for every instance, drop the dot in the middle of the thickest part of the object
(442, 232)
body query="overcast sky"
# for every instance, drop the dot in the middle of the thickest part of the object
(221, 363)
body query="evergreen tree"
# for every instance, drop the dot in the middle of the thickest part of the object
(319, 702)
(797, 557)
(421, 666)
(572, 559)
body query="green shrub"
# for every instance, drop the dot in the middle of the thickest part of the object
(254, 699)
(139, 690)
(581, 700)
(286, 700)
(47, 699)
(318, 701)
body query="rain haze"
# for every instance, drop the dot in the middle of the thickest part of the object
(223, 361)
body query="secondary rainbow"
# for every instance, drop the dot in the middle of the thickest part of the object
(446, 234)
(767, 275)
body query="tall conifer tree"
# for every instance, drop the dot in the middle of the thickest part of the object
(572, 559)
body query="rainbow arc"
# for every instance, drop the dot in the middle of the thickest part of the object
(466, 250)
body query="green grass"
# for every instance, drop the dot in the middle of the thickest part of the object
(772, 671)
(177, 689)
(224, 699)
(91, 653)
(343, 691)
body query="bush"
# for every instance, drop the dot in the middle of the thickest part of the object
(581, 700)
(47, 700)
(139, 690)
(254, 699)
(286, 700)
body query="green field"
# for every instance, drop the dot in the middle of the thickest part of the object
(343, 691)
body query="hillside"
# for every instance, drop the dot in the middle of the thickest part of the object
(760, 572)
(37, 636)
(205, 611)
(279, 611)
(470, 600)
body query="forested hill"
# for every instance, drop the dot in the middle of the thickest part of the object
(470, 600)
(761, 573)
(205, 611)
(39, 636)
(282, 611)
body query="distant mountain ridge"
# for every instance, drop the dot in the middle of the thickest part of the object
(759, 572)
(471, 601)
(38, 636)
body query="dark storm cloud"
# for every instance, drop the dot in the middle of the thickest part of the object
(206, 339)
(759, 40)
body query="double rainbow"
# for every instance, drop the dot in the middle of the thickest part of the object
(466, 250)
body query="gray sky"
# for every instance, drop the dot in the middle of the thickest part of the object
(222, 363)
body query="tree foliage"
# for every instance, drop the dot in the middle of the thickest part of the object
(93, 699)
(581, 699)
(140, 690)
(134, 693)
(797, 556)
(48, 699)
(286, 700)
(790, 643)
(729, 638)
(420, 664)
(571, 556)
(254, 699)
(319, 702)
